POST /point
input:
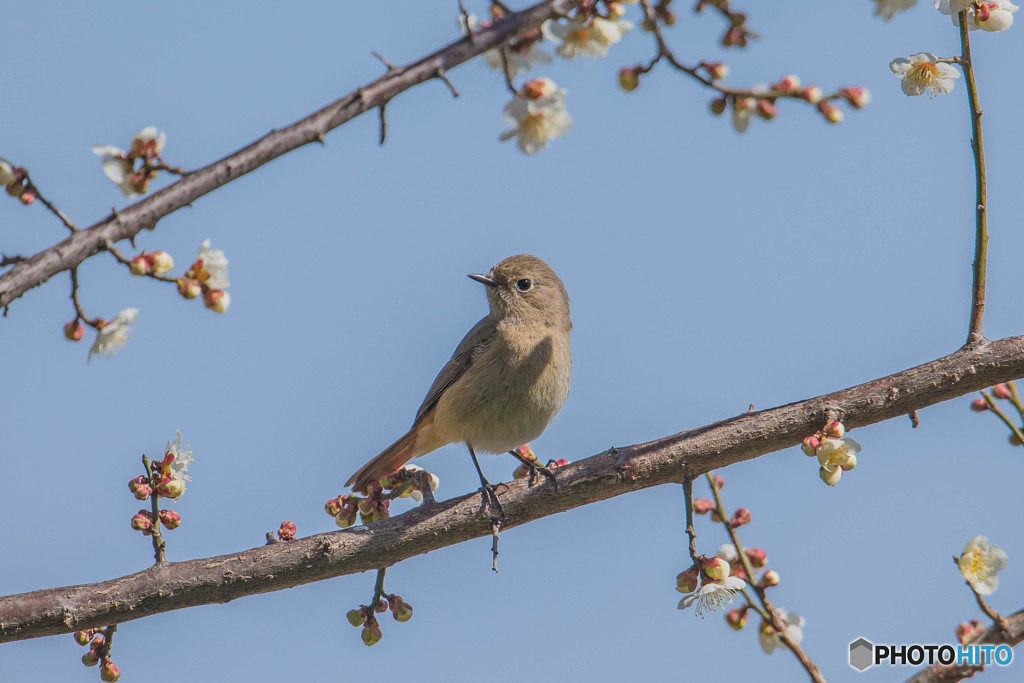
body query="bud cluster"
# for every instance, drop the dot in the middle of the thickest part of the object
(153, 263)
(1005, 391)
(99, 653)
(836, 452)
(526, 452)
(15, 181)
(367, 617)
(164, 479)
(207, 277)
(287, 531)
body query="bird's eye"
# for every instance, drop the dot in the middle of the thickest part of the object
(524, 285)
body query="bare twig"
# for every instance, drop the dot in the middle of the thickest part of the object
(975, 333)
(994, 407)
(691, 532)
(31, 187)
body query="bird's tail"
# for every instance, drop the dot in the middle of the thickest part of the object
(392, 458)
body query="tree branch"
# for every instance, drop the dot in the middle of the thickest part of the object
(127, 223)
(673, 459)
(937, 673)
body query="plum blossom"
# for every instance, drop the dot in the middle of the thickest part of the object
(578, 37)
(537, 115)
(114, 334)
(182, 458)
(119, 166)
(713, 594)
(769, 637)
(211, 267)
(520, 59)
(993, 16)
(923, 73)
(980, 563)
(887, 8)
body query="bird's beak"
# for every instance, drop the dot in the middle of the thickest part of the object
(483, 279)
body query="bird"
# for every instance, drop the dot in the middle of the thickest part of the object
(506, 380)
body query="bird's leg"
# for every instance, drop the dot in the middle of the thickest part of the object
(491, 502)
(534, 469)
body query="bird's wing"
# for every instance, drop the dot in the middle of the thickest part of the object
(469, 349)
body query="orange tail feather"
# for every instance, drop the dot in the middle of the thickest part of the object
(392, 458)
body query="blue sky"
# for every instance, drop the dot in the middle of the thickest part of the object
(707, 271)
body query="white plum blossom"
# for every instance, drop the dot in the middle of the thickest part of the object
(119, 166)
(923, 73)
(149, 142)
(7, 175)
(992, 16)
(713, 594)
(590, 39)
(769, 637)
(980, 563)
(537, 115)
(519, 59)
(414, 493)
(215, 265)
(114, 334)
(182, 458)
(835, 453)
(887, 8)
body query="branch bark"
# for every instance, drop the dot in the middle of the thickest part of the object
(125, 224)
(673, 459)
(937, 673)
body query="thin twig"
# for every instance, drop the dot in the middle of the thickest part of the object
(440, 73)
(31, 187)
(79, 312)
(383, 123)
(116, 253)
(378, 588)
(691, 532)
(990, 400)
(1015, 398)
(507, 69)
(776, 621)
(159, 547)
(975, 333)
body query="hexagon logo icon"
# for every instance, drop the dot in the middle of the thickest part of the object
(861, 654)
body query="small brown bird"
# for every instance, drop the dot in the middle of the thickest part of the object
(507, 379)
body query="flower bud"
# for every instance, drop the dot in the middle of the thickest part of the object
(812, 94)
(561, 462)
(687, 581)
(769, 579)
(189, 289)
(757, 556)
(347, 517)
(1002, 391)
(371, 633)
(830, 477)
(109, 671)
(381, 606)
(171, 488)
(83, 637)
(629, 78)
(333, 506)
(217, 300)
(716, 516)
(737, 618)
(170, 519)
(27, 198)
(739, 518)
(136, 483)
(849, 461)
(835, 430)
(979, 405)
(810, 446)
(7, 172)
(90, 658)
(719, 105)
(142, 521)
(520, 472)
(831, 112)
(716, 70)
(400, 609)
(1014, 439)
(139, 265)
(143, 492)
(537, 88)
(287, 531)
(716, 568)
(719, 481)
(615, 10)
(766, 110)
(160, 262)
(74, 330)
(703, 506)
(857, 97)
(356, 617)
(968, 630)
(787, 83)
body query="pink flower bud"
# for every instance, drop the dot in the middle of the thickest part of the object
(615, 10)
(142, 521)
(527, 452)
(787, 83)
(109, 671)
(333, 506)
(27, 198)
(347, 517)
(719, 105)
(979, 405)
(739, 518)
(716, 70)
(719, 481)
(371, 633)
(968, 631)
(287, 531)
(737, 618)
(831, 112)
(687, 581)
(83, 637)
(136, 483)
(139, 265)
(703, 506)
(857, 97)
(767, 110)
(98, 642)
(1002, 391)
(171, 488)
(143, 492)
(810, 445)
(757, 556)
(400, 609)
(90, 658)
(769, 579)
(74, 330)
(356, 617)
(217, 300)
(812, 94)
(170, 519)
(189, 289)
(835, 430)
(717, 568)
(160, 262)
(561, 462)
(381, 606)
(629, 78)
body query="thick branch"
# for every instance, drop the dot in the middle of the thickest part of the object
(175, 585)
(125, 224)
(955, 672)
